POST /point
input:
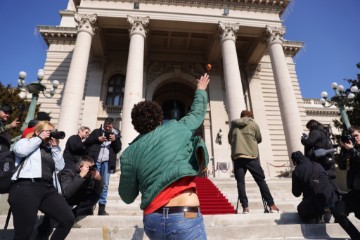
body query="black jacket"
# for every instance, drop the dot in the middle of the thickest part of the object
(72, 183)
(5, 139)
(318, 138)
(302, 182)
(74, 149)
(353, 173)
(94, 146)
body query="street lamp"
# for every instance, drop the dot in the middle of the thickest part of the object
(341, 99)
(34, 88)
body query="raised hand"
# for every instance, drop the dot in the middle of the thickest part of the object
(203, 82)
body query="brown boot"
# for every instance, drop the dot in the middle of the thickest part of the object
(102, 210)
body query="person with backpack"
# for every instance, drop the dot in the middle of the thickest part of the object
(7, 158)
(310, 180)
(320, 195)
(33, 188)
(319, 138)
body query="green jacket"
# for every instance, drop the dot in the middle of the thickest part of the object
(244, 137)
(156, 159)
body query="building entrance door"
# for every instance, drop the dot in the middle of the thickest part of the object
(175, 98)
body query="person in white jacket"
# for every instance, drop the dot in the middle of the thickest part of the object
(39, 157)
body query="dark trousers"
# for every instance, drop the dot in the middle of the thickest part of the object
(347, 204)
(241, 165)
(26, 198)
(85, 200)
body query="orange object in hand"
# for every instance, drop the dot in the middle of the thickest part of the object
(208, 67)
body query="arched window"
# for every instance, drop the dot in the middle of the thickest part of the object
(115, 90)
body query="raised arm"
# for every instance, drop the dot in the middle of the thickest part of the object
(196, 115)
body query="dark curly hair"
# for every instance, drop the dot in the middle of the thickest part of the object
(146, 116)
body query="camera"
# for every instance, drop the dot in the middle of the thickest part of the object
(347, 138)
(57, 134)
(107, 135)
(92, 168)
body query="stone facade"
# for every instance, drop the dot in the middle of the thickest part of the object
(109, 55)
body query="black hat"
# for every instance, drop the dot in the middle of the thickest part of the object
(6, 109)
(43, 116)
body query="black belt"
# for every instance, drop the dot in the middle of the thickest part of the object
(33, 180)
(177, 209)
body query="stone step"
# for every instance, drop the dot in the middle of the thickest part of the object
(125, 221)
(236, 220)
(288, 231)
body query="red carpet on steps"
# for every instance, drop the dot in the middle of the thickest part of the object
(212, 201)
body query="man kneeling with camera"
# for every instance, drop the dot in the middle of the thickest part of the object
(83, 187)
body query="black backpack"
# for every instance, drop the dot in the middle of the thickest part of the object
(7, 170)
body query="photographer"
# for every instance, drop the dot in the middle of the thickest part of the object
(310, 180)
(5, 112)
(81, 187)
(350, 159)
(103, 145)
(33, 189)
(75, 147)
(319, 138)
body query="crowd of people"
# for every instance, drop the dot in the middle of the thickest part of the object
(65, 186)
(161, 163)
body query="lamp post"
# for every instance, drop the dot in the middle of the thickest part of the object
(34, 88)
(341, 99)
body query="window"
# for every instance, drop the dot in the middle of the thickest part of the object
(115, 90)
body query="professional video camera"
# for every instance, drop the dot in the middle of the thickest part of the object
(57, 134)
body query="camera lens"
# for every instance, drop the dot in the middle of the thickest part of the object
(57, 134)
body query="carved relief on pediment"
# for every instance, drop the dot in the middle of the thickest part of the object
(157, 69)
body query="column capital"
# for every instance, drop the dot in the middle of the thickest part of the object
(86, 23)
(275, 34)
(138, 25)
(228, 30)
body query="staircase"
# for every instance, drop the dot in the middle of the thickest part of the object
(125, 221)
(212, 201)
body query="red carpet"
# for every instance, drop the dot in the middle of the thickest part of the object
(212, 201)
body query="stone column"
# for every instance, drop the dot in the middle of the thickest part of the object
(289, 109)
(92, 96)
(234, 91)
(259, 111)
(74, 87)
(134, 76)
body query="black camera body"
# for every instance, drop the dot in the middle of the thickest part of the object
(347, 138)
(57, 134)
(107, 135)
(93, 168)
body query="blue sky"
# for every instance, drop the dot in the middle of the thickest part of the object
(329, 28)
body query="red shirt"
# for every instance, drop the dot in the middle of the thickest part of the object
(169, 193)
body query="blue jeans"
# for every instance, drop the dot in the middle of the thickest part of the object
(174, 226)
(103, 168)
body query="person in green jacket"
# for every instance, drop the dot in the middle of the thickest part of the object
(161, 163)
(244, 137)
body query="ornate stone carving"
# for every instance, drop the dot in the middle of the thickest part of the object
(138, 24)
(275, 34)
(86, 23)
(157, 69)
(228, 30)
